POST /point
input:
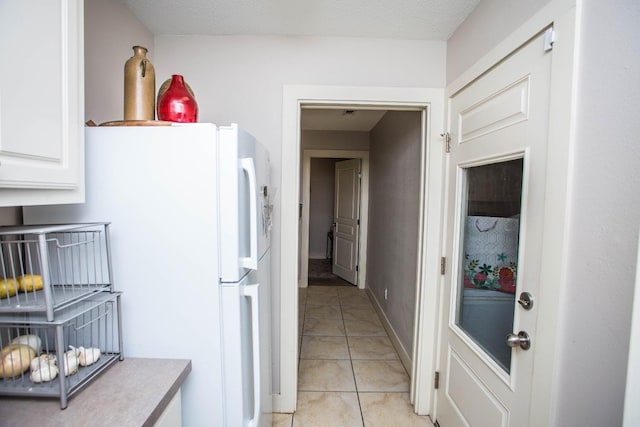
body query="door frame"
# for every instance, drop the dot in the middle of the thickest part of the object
(431, 102)
(564, 15)
(306, 197)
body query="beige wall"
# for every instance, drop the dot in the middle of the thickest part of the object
(10, 216)
(489, 23)
(110, 32)
(321, 205)
(333, 140)
(604, 219)
(394, 184)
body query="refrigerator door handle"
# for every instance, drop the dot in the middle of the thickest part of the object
(251, 291)
(252, 260)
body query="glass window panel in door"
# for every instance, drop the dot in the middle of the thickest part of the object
(489, 259)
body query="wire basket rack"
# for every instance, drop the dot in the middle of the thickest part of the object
(42, 358)
(46, 268)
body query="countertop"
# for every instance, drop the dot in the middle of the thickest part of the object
(132, 392)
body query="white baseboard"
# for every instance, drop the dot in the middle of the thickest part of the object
(395, 340)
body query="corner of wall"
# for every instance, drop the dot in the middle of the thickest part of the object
(10, 216)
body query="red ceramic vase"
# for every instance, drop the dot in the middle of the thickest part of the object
(177, 104)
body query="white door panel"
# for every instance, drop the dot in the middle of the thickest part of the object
(485, 410)
(346, 219)
(495, 200)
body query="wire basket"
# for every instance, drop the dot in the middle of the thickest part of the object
(46, 268)
(42, 358)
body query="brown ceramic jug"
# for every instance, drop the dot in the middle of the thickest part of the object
(139, 86)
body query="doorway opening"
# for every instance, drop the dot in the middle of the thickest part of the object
(378, 219)
(317, 230)
(427, 103)
(333, 222)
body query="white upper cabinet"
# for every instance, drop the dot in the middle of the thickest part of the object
(41, 102)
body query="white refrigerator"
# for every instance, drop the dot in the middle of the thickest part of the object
(190, 220)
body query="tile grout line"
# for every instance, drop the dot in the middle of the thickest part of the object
(353, 371)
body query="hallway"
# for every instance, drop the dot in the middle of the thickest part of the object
(349, 372)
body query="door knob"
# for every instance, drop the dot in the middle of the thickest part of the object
(523, 340)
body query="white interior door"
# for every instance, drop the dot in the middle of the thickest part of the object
(495, 202)
(346, 220)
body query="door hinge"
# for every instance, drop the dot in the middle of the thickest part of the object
(447, 141)
(549, 39)
(357, 267)
(358, 222)
(443, 265)
(436, 380)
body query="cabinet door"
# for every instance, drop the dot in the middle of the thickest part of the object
(41, 102)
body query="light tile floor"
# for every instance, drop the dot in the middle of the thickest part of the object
(349, 372)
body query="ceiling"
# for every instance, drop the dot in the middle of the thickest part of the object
(343, 119)
(433, 20)
(407, 19)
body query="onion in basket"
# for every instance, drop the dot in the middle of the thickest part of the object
(88, 356)
(32, 341)
(71, 362)
(42, 361)
(46, 372)
(15, 360)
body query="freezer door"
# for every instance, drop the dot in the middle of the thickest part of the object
(245, 206)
